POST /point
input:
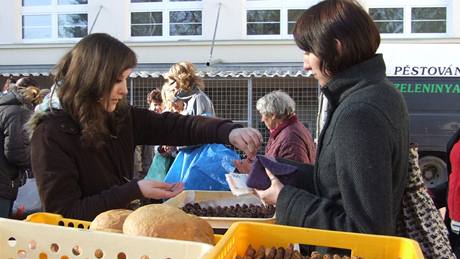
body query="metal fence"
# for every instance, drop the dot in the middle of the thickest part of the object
(235, 98)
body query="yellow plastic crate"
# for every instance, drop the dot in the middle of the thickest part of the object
(20, 239)
(56, 219)
(216, 222)
(241, 234)
(33, 239)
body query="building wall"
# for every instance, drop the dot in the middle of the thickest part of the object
(230, 95)
(231, 46)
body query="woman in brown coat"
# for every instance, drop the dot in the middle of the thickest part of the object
(82, 148)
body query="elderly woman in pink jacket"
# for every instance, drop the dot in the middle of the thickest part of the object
(289, 138)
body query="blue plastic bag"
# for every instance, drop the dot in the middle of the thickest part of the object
(203, 167)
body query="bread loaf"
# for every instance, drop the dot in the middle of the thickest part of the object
(164, 221)
(110, 221)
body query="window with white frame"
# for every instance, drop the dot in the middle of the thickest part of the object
(273, 19)
(411, 20)
(166, 18)
(35, 2)
(428, 20)
(54, 19)
(185, 23)
(293, 15)
(263, 22)
(388, 20)
(146, 24)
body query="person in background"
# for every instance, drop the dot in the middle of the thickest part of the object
(453, 195)
(170, 104)
(179, 106)
(9, 83)
(155, 101)
(143, 155)
(27, 81)
(289, 138)
(189, 88)
(82, 147)
(164, 155)
(15, 109)
(361, 168)
(42, 94)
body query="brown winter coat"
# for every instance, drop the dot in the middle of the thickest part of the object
(81, 182)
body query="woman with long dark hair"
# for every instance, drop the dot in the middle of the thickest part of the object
(83, 142)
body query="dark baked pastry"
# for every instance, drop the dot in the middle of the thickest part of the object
(237, 211)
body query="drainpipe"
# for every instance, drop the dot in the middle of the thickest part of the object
(95, 19)
(210, 61)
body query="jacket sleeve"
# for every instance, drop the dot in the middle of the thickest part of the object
(295, 149)
(16, 141)
(174, 129)
(363, 161)
(203, 105)
(57, 176)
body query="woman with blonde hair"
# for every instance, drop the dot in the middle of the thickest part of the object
(189, 89)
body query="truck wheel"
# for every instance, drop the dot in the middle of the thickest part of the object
(434, 171)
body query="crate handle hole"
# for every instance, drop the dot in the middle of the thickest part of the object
(81, 226)
(98, 253)
(76, 250)
(32, 244)
(12, 242)
(70, 225)
(54, 247)
(22, 254)
(121, 255)
(61, 223)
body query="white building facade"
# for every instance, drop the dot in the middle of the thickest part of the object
(167, 31)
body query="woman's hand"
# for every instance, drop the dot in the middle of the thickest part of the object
(270, 196)
(247, 140)
(243, 165)
(159, 190)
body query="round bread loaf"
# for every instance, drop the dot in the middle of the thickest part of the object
(160, 220)
(110, 221)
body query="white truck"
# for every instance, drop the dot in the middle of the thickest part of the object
(428, 75)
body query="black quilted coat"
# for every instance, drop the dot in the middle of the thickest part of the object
(15, 150)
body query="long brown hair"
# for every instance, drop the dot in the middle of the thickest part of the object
(322, 25)
(85, 75)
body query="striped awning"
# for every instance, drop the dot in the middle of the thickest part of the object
(222, 70)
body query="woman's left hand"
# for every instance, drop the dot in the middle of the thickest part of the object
(159, 190)
(247, 140)
(270, 195)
